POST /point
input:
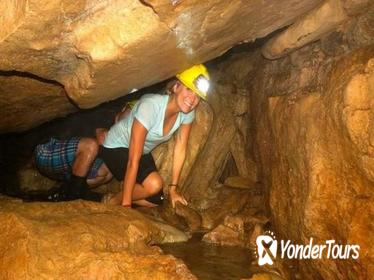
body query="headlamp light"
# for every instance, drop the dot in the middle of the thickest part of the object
(202, 84)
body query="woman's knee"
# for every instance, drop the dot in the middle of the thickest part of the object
(153, 183)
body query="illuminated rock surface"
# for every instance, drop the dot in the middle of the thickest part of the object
(314, 135)
(311, 116)
(95, 51)
(83, 240)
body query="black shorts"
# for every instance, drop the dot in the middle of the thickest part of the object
(116, 160)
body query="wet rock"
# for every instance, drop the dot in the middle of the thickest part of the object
(228, 202)
(192, 217)
(237, 230)
(230, 233)
(182, 217)
(224, 235)
(167, 213)
(82, 240)
(172, 234)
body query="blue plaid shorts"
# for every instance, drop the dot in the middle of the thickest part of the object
(55, 158)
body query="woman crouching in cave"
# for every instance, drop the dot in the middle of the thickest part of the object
(127, 147)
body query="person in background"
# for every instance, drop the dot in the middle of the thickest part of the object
(74, 161)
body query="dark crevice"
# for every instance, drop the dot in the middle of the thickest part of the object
(245, 47)
(230, 169)
(28, 75)
(145, 3)
(20, 74)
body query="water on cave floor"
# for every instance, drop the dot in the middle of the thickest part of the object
(211, 262)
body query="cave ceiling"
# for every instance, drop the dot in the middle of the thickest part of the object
(56, 56)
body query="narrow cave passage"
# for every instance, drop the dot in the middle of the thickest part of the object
(223, 252)
(278, 177)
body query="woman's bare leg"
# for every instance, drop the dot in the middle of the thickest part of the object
(151, 186)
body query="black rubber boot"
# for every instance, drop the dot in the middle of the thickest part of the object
(58, 194)
(75, 188)
(78, 189)
(70, 190)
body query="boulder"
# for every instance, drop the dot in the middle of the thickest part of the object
(89, 52)
(83, 240)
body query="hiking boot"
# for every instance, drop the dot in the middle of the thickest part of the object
(78, 189)
(58, 194)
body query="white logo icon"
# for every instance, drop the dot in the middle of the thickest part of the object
(266, 248)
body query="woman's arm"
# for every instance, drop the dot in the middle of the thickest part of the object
(136, 145)
(179, 156)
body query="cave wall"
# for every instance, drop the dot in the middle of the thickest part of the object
(311, 130)
(307, 121)
(321, 169)
(318, 121)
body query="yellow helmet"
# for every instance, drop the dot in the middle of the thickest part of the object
(196, 79)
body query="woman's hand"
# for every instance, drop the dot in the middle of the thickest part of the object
(175, 197)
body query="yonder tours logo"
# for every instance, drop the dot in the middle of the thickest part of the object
(267, 247)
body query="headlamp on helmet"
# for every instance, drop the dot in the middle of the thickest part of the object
(196, 79)
(202, 84)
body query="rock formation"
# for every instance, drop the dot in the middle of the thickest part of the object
(94, 51)
(309, 124)
(312, 114)
(83, 240)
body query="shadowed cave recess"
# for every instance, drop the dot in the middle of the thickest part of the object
(279, 171)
